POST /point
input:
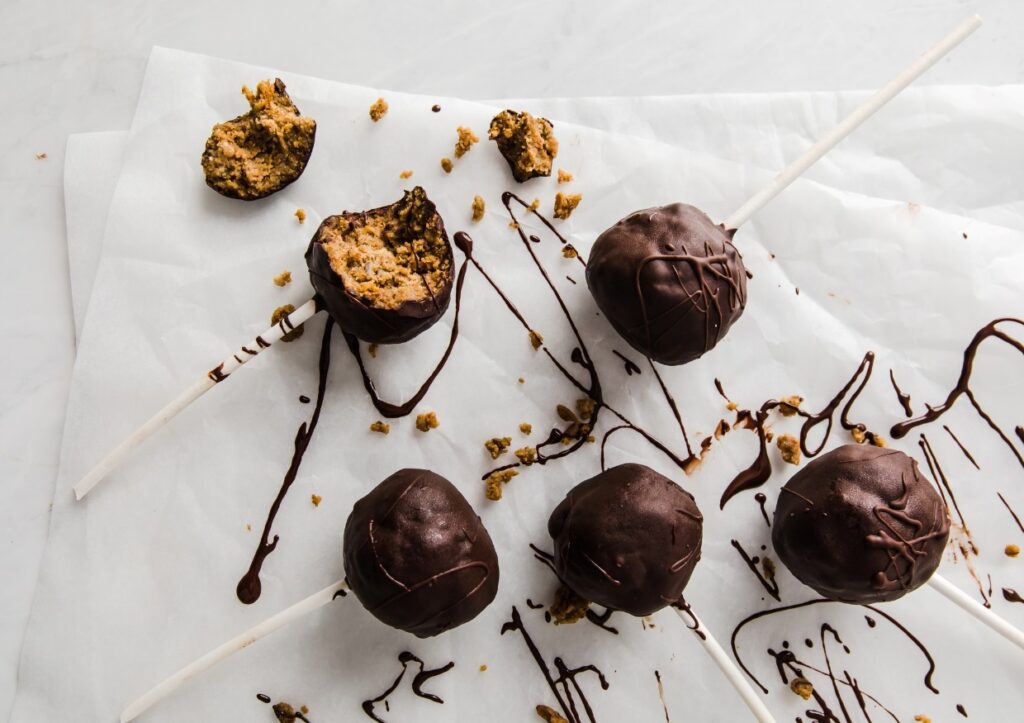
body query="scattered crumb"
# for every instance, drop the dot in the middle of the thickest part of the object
(381, 427)
(283, 279)
(436, 108)
(405, 174)
(378, 109)
(316, 500)
(922, 719)
(803, 687)
(568, 607)
(525, 427)
(281, 312)
(569, 251)
(478, 208)
(497, 446)
(585, 407)
(879, 441)
(466, 140)
(858, 435)
(566, 414)
(566, 203)
(965, 233)
(790, 448)
(769, 436)
(248, 527)
(591, 439)
(768, 568)
(522, 381)
(527, 144)
(304, 709)
(371, 349)
(43, 157)
(495, 480)
(513, 224)
(536, 339)
(534, 205)
(483, 668)
(1011, 550)
(550, 715)
(731, 406)
(564, 176)
(426, 422)
(446, 164)
(300, 213)
(789, 406)
(527, 455)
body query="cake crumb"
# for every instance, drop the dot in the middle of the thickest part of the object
(564, 176)
(922, 719)
(731, 406)
(585, 407)
(380, 427)
(43, 157)
(378, 109)
(248, 527)
(483, 668)
(790, 448)
(527, 143)
(497, 446)
(446, 164)
(513, 225)
(478, 208)
(566, 203)
(426, 422)
(283, 279)
(495, 480)
(522, 381)
(1011, 550)
(405, 174)
(802, 687)
(550, 715)
(879, 441)
(372, 348)
(300, 213)
(534, 205)
(536, 339)
(279, 314)
(569, 251)
(858, 435)
(568, 607)
(465, 142)
(525, 427)
(527, 455)
(304, 709)
(790, 405)
(316, 500)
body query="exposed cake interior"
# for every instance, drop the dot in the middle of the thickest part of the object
(528, 143)
(391, 255)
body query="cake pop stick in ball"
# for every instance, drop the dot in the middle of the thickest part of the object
(416, 555)
(628, 539)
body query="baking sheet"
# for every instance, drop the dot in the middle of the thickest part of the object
(171, 523)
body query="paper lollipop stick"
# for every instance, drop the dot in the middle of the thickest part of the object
(793, 171)
(136, 708)
(958, 597)
(207, 382)
(725, 664)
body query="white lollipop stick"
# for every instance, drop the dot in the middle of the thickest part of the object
(793, 171)
(728, 668)
(208, 381)
(958, 597)
(138, 707)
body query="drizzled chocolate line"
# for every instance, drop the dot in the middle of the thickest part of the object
(1010, 510)
(1011, 595)
(388, 409)
(249, 587)
(963, 388)
(903, 397)
(601, 620)
(823, 601)
(565, 683)
(631, 367)
(771, 585)
(694, 624)
(761, 469)
(420, 678)
(960, 444)
(661, 695)
(762, 499)
(548, 560)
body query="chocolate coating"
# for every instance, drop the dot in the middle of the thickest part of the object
(627, 538)
(669, 280)
(360, 316)
(861, 524)
(417, 556)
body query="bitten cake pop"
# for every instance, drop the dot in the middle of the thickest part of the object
(627, 539)
(384, 275)
(417, 556)
(669, 280)
(861, 524)
(262, 151)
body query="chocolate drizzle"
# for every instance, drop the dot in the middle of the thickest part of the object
(1011, 595)
(694, 624)
(661, 695)
(631, 367)
(768, 582)
(967, 453)
(761, 498)
(1013, 514)
(563, 685)
(963, 386)
(418, 680)
(901, 395)
(250, 587)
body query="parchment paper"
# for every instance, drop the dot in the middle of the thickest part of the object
(139, 580)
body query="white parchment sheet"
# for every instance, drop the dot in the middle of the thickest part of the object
(140, 578)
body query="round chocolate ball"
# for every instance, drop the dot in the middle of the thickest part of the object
(384, 275)
(627, 539)
(861, 524)
(669, 280)
(417, 556)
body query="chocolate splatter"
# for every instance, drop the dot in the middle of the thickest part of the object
(418, 680)
(901, 395)
(661, 695)
(961, 710)
(631, 368)
(761, 498)
(1011, 595)
(767, 581)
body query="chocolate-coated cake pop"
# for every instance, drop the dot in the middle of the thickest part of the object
(627, 538)
(384, 275)
(861, 524)
(669, 280)
(417, 556)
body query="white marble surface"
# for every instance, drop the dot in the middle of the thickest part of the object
(76, 66)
